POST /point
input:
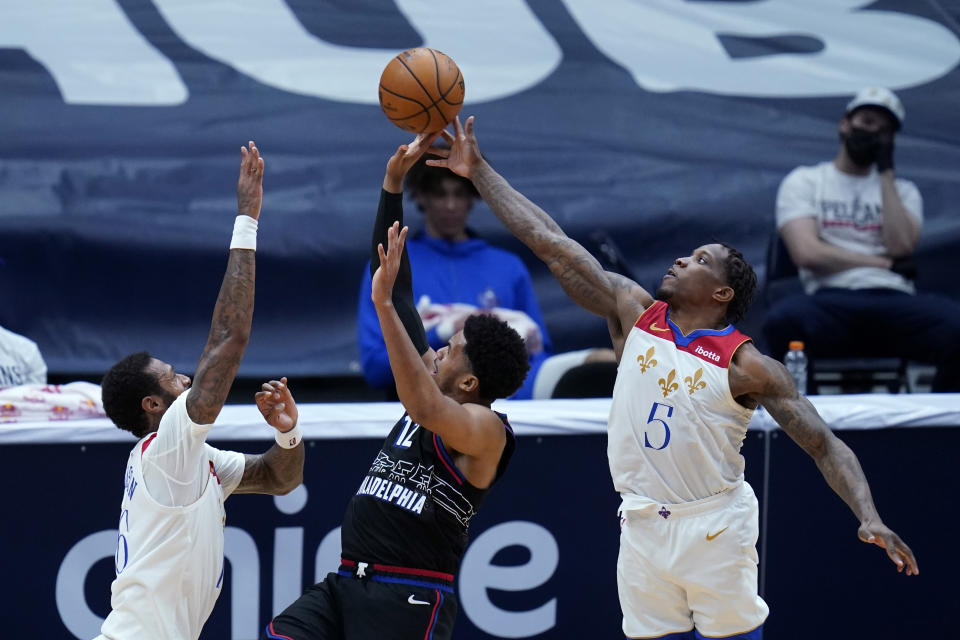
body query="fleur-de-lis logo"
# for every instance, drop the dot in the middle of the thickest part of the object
(667, 385)
(646, 361)
(695, 383)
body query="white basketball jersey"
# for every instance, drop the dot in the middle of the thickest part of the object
(675, 430)
(169, 559)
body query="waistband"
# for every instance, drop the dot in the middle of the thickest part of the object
(647, 507)
(402, 575)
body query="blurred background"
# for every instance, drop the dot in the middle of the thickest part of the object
(645, 128)
(661, 125)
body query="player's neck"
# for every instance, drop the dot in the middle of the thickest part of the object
(692, 319)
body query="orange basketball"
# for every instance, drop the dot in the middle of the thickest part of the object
(421, 90)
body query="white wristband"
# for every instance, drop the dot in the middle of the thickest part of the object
(289, 439)
(244, 233)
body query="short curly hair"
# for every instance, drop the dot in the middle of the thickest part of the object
(125, 386)
(422, 178)
(497, 356)
(743, 281)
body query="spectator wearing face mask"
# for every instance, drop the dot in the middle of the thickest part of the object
(851, 226)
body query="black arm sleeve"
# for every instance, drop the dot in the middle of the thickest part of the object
(389, 211)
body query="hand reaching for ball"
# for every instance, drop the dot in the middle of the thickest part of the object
(405, 157)
(464, 153)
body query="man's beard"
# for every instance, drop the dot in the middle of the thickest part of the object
(663, 294)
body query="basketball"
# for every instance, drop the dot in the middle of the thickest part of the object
(421, 90)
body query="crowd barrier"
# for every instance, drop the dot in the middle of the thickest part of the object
(541, 563)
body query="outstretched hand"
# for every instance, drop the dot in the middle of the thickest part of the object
(464, 153)
(250, 184)
(880, 535)
(405, 157)
(386, 274)
(277, 405)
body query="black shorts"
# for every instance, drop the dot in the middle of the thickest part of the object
(387, 603)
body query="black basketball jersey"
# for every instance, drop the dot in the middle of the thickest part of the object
(414, 506)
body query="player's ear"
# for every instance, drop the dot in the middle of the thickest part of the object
(723, 295)
(152, 404)
(468, 383)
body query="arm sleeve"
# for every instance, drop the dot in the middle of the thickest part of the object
(389, 211)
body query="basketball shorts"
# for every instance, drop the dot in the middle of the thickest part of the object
(691, 568)
(371, 602)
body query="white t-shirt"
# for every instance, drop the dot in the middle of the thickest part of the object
(169, 558)
(20, 360)
(849, 214)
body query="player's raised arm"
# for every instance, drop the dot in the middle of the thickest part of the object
(582, 277)
(767, 382)
(233, 313)
(470, 429)
(390, 210)
(280, 469)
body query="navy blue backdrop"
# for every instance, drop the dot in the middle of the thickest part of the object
(663, 123)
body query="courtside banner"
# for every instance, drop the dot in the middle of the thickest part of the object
(662, 124)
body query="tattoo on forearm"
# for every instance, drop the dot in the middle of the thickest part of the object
(836, 461)
(277, 471)
(578, 272)
(229, 332)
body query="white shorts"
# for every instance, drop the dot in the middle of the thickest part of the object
(691, 565)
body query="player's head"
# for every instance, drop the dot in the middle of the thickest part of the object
(138, 390)
(484, 362)
(444, 198)
(874, 114)
(715, 274)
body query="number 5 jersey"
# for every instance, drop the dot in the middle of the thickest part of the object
(675, 430)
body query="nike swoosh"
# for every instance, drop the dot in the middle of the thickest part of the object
(654, 327)
(709, 537)
(413, 600)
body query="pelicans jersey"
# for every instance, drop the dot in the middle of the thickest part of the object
(675, 430)
(689, 522)
(169, 559)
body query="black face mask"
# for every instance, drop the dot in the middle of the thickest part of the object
(862, 146)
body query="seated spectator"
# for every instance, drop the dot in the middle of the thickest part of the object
(20, 360)
(851, 227)
(455, 274)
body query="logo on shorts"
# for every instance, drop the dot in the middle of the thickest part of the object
(711, 537)
(664, 512)
(413, 600)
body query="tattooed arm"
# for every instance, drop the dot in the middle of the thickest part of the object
(757, 379)
(601, 292)
(233, 313)
(278, 471)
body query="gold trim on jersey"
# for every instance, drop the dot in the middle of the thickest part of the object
(647, 361)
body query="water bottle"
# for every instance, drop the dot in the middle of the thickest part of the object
(796, 363)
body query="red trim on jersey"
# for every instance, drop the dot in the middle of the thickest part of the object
(146, 443)
(437, 575)
(716, 350)
(433, 615)
(271, 633)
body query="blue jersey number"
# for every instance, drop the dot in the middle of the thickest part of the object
(656, 409)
